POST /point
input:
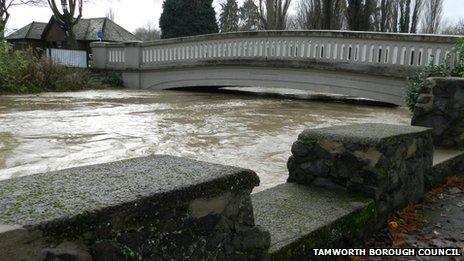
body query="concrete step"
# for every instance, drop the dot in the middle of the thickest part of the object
(446, 162)
(445, 155)
(300, 218)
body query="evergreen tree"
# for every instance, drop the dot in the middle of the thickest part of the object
(249, 16)
(187, 17)
(228, 19)
(360, 14)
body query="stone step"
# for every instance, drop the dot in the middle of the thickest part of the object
(301, 217)
(152, 208)
(446, 162)
(441, 156)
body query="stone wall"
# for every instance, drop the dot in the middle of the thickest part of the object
(155, 208)
(384, 162)
(441, 107)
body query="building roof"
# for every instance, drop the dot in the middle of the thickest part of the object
(32, 31)
(85, 30)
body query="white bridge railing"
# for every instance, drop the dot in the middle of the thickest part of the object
(379, 49)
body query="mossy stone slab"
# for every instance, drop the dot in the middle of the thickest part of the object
(366, 133)
(299, 217)
(160, 179)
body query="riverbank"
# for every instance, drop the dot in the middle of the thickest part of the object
(23, 72)
(69, 80)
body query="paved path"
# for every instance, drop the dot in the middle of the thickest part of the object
(443, 226)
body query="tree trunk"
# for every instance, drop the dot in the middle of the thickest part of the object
(4, 15)
(415, 16)
(328, 14)
(2, 29)
(71, 40)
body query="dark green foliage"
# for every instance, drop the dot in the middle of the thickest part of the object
(23, 72)
(359, 14)
(2, 29)
(107, 78)
(187, 17)
(416, 82)
(249, 16)
(229, 17)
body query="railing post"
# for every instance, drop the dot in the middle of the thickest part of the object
(99, 55)
(133, 56)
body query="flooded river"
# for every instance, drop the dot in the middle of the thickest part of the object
(51, 131)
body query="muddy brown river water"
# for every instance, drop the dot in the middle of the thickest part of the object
(51, 131)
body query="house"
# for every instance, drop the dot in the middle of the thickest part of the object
(49, 35)
(28, 36)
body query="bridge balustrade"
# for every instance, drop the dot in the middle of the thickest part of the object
(367, 48)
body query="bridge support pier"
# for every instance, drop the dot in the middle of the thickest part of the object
(132, 79)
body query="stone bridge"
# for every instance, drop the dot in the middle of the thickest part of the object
(359, 64)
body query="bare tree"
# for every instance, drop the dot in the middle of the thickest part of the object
(5, 6)
(147, 33)
(321, 14)
(406, 15)
(455, 29)
(273, 14)
(309, 14)
(432, 17)
(385, 16)
(110, 14)
(64, 16)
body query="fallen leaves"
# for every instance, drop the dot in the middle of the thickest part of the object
(402, 222)
(451, 184)
(409, 220)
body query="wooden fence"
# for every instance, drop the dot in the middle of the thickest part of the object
(70, 58)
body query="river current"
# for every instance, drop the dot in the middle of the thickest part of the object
(255, 130)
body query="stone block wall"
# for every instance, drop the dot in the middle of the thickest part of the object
(153, 208)
(384, 162)
(440, 106)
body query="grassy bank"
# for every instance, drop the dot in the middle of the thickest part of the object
(22, 72)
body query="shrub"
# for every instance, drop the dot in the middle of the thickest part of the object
(23, 72)
(416, 82)
(13, 67)
(107, 79)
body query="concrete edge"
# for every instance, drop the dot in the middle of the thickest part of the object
(453, 166)
(445, 39)
(357, 225)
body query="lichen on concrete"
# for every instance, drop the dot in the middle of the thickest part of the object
(300, 217)
(158, 206)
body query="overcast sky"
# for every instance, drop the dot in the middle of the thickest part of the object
(137, 13)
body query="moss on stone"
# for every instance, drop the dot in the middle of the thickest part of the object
(356, 226)
(308, 141)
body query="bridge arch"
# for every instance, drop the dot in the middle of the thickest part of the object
(360, 64)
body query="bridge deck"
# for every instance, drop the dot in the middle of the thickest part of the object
(361, 56)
